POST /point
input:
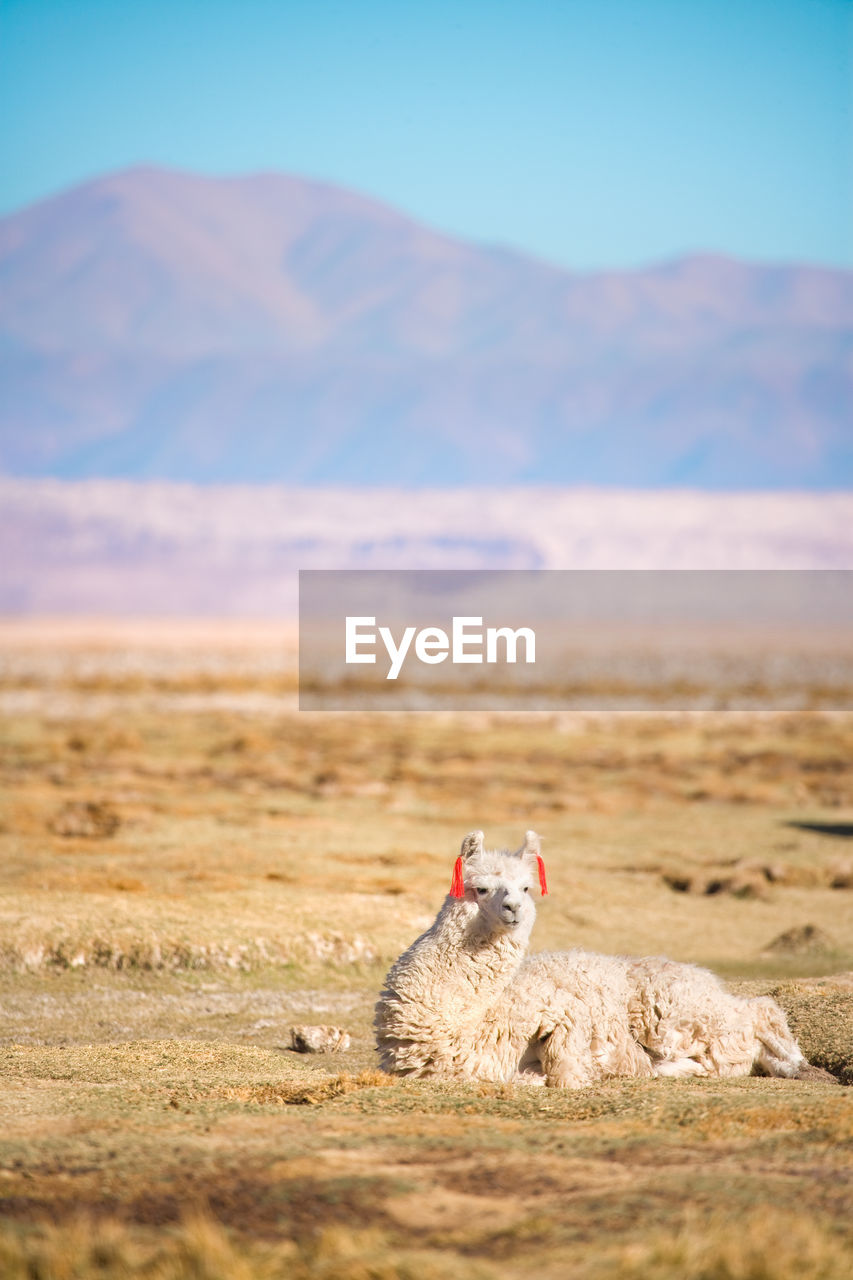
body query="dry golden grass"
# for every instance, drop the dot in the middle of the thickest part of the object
(190, 866)
(762, 1246)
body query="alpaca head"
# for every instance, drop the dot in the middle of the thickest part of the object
(499, 882)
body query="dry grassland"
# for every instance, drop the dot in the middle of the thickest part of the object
(190, 866)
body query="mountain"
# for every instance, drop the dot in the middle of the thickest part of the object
(158, 324)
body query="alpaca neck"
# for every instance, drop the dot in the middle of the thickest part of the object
(460, 958)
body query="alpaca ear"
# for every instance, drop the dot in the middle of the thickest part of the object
(531, 850)
(472, 845)
(531, 846)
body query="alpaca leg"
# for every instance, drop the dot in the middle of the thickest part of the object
(620, 1055)
(572, 1059)
(778, 1053)
(679, 1068)
(678, 1050)
(566, 1060)
(723, 1049)
(734, 1038)
(688, 1023)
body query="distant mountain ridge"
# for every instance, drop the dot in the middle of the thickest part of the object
(157, 324)
(128, 547)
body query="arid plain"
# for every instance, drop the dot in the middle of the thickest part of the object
(191, 866)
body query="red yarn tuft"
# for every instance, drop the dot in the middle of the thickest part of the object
(543, 885)
(457, 886)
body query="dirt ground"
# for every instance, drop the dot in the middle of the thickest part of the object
(190, 866)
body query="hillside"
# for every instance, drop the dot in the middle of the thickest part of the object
(157, 324)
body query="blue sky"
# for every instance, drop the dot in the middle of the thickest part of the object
(592, 133)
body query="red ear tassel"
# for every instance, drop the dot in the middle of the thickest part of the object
(543, 885)
(457, 885)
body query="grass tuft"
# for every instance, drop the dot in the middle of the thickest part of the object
(200, 1248)
(288, 1093)
(767, 1245)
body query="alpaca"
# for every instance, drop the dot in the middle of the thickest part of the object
(444, 1009)
(465, 1001)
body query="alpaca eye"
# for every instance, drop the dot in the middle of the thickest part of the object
(482, 891)
(526, 889)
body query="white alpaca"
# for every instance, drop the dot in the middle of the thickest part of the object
(465, 1000)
